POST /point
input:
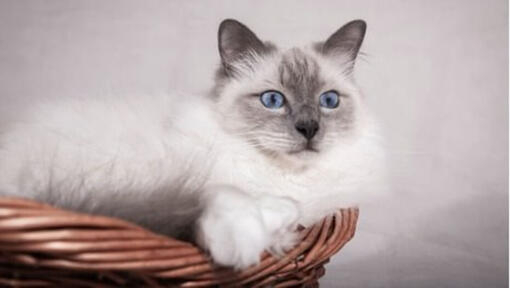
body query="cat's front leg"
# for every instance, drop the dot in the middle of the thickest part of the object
(236, 227)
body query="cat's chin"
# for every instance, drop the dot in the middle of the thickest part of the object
(304, 157)
(307, 152)
(297, 159)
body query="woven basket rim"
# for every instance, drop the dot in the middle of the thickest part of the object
(40, 240)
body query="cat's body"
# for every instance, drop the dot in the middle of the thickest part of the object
(216, 163)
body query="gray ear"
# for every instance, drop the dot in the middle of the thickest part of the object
(347, 40)
(235, 40)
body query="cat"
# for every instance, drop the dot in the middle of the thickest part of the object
(284, 138)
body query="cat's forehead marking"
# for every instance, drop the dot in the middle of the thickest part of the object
(299, 73)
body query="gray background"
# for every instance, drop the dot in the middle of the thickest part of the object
(435, 73)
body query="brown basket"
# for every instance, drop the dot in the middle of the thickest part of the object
(43, 246)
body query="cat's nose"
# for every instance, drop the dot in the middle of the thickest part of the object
(307, 128)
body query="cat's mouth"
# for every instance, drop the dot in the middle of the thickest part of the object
(306, 149)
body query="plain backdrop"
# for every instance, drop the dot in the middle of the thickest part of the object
(434, 72)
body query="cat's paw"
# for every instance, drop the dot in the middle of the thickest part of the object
(280, 216)
(236, 228)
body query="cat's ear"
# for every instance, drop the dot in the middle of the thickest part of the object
(346, 41)
(236, 41)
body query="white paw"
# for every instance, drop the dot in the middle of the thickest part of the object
(236, 228)
(280, 216)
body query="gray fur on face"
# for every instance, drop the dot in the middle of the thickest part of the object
(299, 77)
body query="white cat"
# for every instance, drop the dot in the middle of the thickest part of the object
(284, 138)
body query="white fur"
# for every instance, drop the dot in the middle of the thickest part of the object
(150, 160)
(251, 224)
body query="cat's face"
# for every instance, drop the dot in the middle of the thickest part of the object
(296, 103)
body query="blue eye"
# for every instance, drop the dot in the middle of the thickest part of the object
(272, 99)
(329, 99)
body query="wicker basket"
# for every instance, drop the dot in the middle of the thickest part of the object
(42, 246)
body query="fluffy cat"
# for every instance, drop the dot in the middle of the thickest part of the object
(283, 139)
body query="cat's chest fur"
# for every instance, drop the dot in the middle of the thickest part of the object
(314, 187)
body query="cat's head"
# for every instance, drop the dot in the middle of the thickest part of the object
(296, 103)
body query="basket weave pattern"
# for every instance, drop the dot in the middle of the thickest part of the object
(42, 246)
